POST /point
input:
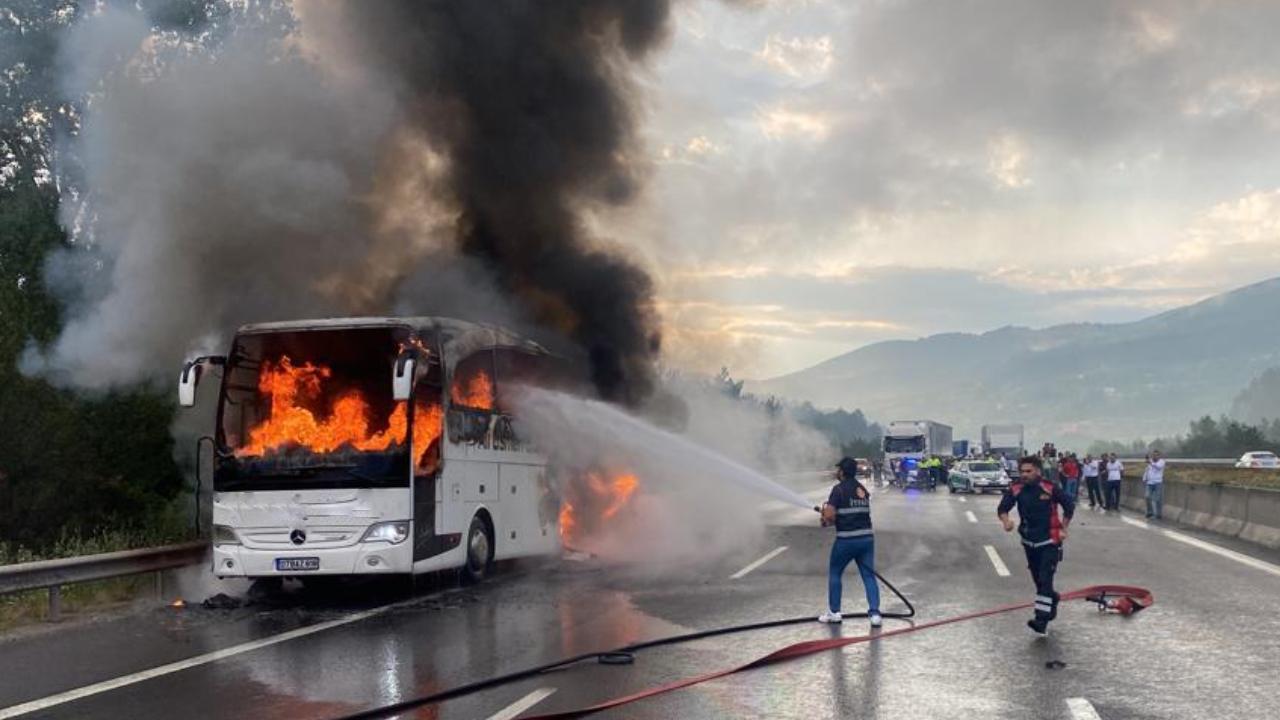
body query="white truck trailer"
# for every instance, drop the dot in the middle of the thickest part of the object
(1003, 440)
(916, 439)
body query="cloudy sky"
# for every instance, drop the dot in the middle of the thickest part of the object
(832, 173)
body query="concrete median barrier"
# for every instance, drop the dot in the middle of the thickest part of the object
(1197, 504)
(1232, 513)
(1263, 523)
(1131, 495)
(1249, 513)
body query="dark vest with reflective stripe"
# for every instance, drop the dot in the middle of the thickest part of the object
(853, 514)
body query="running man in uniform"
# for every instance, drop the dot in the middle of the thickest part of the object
(1042, 529)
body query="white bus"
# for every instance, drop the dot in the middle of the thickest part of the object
(375, 446)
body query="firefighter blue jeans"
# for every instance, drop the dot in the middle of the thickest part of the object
(861, 550)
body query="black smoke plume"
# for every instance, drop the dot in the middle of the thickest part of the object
(532, 104)
(352, 158)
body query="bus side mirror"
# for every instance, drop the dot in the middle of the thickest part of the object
(187, 382)
(189, 378)
(402, 377)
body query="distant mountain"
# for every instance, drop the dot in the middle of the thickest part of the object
(1068, 383)
(1259, 401)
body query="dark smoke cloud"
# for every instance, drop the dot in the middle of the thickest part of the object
(368, 158)
(532, 104)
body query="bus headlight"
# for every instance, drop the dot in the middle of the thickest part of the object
(391, 532)
(223, 535)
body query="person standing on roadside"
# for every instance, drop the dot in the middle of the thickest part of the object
(1069, 471)
(1153, 478)
(1115, 472)
(1048, 462)
(1091, 481)
(1044, 512)
(849, 509)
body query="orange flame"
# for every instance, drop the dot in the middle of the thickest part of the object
(289, 423)
(567, 521)
(601, 496)
(474, 392)
(617, 491)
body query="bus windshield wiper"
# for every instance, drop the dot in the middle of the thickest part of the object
(361, 476)
(301, 470)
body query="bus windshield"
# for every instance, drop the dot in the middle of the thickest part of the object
(314, 409)
(904, 444)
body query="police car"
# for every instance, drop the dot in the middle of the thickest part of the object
(977, 476)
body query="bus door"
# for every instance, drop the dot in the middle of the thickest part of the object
(428, 435)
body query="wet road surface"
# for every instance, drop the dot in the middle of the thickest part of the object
(1206, 649)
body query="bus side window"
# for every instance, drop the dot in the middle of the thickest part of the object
(471, 400)
(515, 368)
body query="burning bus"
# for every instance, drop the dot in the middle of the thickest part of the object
(375, 446)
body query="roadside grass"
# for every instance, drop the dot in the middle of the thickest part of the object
(1236, 477)
(23, 608)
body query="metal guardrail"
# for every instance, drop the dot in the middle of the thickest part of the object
(1185, 461)
(53, 574)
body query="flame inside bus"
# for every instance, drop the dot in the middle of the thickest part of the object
(296, 391)
(474, 391)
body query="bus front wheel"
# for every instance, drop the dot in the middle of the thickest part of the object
(479, 551)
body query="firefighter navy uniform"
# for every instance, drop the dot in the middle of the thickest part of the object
(1042, 506)
(855, 542)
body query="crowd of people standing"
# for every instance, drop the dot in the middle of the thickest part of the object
(1102, 477)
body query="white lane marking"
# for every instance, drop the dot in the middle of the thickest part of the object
(775, 553)
(82, 692)
(514, 710)
(1135, 523)
(1001, 570)
(962, 499)
(1082, 709)
(969, 514)
(1241, 558)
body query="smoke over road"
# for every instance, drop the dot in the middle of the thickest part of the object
(324, 159)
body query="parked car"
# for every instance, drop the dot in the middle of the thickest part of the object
(1259, 459)
(977, 476)
(864, 467)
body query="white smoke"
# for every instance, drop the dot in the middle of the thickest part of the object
(693, 504)
(221, 185)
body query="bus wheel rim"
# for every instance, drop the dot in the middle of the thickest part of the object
(479, 549)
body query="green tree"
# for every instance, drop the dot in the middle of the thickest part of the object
(68, 464)
(1204, 440)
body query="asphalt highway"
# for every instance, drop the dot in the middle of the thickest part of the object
(1206, 649)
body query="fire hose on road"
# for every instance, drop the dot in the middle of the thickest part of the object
(1122, 599)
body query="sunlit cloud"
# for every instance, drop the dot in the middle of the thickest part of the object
(908, 163)
(1007, 160)
(1231, 95)
(780, 122)
(696, 149)
(802, 58)
(1154, 32)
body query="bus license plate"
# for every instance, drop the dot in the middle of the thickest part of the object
(299, 563)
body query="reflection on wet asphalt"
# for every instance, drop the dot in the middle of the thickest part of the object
(1206, 649)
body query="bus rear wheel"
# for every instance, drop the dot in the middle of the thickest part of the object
(479, 551)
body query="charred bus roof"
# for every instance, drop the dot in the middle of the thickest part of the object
(458, 338)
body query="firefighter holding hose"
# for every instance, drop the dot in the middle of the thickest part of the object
(849, 509)
(1043, 530)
